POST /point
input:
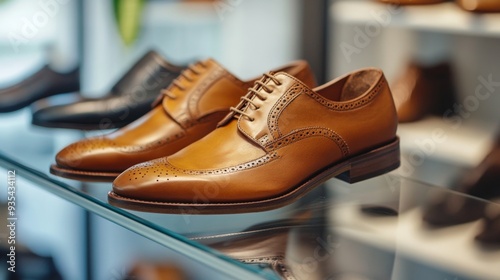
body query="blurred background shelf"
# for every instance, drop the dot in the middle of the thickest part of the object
(444, 17)
(420, 139)
(413, 240)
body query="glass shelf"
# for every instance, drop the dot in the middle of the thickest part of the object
(369, 230)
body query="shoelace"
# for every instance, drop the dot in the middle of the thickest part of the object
(254, 91)
(186, 74)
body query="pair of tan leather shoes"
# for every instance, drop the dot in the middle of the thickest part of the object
(194, 153)
(480, 6)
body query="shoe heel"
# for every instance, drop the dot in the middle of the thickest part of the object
(373, 163)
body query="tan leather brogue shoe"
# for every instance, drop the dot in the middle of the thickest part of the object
(187, 110)
(282, 140)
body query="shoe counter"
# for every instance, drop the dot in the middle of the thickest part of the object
(376, 229)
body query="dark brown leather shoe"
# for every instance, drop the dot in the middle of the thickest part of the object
(490, 232)
(281, 141)
(451, 209)
(423, 90)
(480, 6)
(188, 110)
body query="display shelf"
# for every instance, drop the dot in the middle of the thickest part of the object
(329, 208)
(169, 239)
(445, 17)
(408, 236)
(441, 139)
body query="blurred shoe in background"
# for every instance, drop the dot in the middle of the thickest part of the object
(482, 182)
(44, 83)
(490, 232)
(423, 90)
(129, 99)
(481, 6)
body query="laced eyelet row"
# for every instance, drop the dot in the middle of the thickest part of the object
(186, 74)
(254, 91)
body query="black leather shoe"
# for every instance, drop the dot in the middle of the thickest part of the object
(130, 98)
(44, 83)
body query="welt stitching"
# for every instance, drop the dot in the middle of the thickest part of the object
(348, 105)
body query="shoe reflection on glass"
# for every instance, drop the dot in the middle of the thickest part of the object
(281, 141)
(490, 231)
(423, 90)
(261, 245)
(44, 83)
(186, 111)
(130, 98)
(274, 244)
(482, 182)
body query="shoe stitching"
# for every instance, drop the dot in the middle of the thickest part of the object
(70, 171)
(227, 170)
(345, 106)
(303, 133)
(280, 105)
(264, 139)
(277, 263)
(91, 144)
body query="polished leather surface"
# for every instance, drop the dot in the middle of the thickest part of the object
(483, 6)
(421, 90)
(191, 108)
(288, 133)
(481, 182)
(44, 83)
(129, 99)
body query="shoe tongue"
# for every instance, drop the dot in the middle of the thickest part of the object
(151, 73)
(243, 105)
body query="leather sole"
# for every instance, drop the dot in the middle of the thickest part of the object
(87, 176)
(367, 165)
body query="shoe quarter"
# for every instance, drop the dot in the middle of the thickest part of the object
(299, 116)
(276, 124)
